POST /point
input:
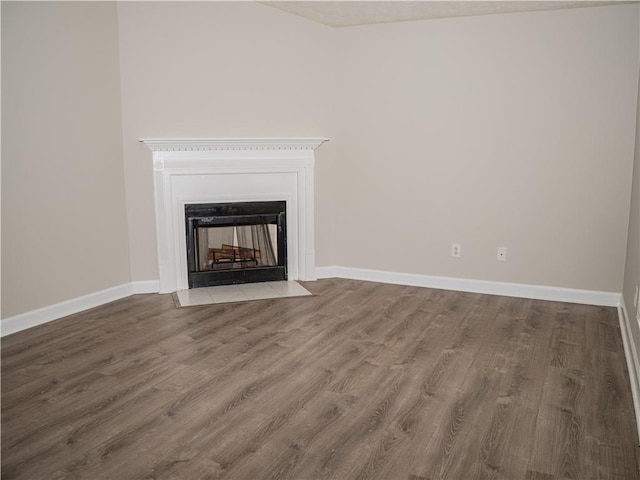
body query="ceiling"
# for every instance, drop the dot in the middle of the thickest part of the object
(351, 13)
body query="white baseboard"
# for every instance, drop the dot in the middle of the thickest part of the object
(146, 286)
(538, 292)
(30, 319)
(631, 354)
(36, 317)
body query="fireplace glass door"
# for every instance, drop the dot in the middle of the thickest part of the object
(237, 246)
(236, 243)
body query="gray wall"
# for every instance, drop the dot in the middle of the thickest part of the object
(64, 224)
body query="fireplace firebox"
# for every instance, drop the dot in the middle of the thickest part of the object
(231, 243)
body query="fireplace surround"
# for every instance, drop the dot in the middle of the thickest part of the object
(218, 171)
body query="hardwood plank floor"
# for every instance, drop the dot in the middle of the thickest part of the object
(362, 380)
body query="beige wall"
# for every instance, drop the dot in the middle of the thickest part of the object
(64, 231)
(505, 130)
(213, 69)
(632, 265)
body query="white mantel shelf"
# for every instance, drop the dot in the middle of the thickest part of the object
(206, 144)
(221, 170)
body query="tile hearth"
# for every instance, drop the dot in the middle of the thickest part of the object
(240, 293)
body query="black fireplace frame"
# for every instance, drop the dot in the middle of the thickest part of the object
(236, 214)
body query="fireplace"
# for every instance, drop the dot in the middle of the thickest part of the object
(240, 242)
(232, 170)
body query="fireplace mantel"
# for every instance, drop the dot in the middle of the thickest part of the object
(220, 170)
(199, 144)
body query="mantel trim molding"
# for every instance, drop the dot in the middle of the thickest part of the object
(208, 144)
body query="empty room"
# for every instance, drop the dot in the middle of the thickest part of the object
(320, 240)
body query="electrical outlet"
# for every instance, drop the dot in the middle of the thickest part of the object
(502, 254)
(455, 250)
(635, 298)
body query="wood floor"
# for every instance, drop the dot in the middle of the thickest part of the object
(362, 380)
